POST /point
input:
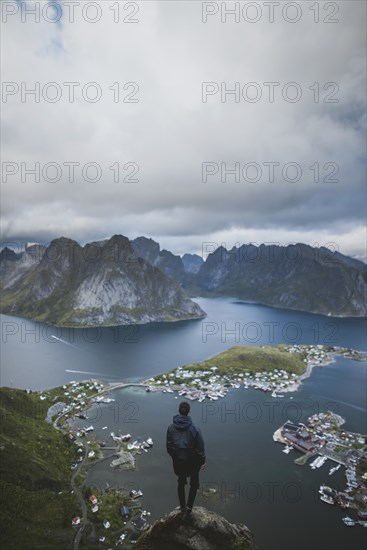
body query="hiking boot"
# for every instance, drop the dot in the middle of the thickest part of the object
(187, 516)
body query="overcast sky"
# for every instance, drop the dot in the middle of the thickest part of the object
(160, 131)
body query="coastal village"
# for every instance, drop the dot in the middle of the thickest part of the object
(323, 439)
(207, 381)
(118, 518)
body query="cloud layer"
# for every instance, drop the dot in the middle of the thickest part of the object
(316, 145)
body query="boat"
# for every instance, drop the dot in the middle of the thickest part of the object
(318, 462)
(315, 462)
(327, 499)
(88, 428)
(326, 489)
(349, 521)
(135, 494)
(322, 461)
(150, 442)
(287, 449)
(334, 469)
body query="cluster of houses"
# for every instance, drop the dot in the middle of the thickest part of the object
(134, 522)
(344, 447)
(207, 384)
(315, 354)
(323, 436)
(200, 384)
(76, 397)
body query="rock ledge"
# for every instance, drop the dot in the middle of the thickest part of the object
(205, 531)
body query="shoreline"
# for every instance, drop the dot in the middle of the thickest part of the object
(316, 356)
(309, 368)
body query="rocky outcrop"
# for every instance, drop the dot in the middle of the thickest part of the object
(206, 530)
(100, 284)
(125, 461)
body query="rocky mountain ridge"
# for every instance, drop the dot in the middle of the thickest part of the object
(172, 265)
(296, 277)
(100, 284)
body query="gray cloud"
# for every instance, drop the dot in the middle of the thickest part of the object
(170, 132)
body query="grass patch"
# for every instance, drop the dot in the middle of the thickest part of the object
(35, 464)
(241, 359)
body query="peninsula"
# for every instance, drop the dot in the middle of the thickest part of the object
(274, 369)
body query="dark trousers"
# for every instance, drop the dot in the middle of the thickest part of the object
(184, 469)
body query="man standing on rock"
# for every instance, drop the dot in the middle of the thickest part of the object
(185, 445)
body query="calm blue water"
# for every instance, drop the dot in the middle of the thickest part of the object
(256, 483)
(32, 358)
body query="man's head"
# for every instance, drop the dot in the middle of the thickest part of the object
(184, 408)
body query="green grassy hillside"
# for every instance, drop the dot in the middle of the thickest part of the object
(252, 359)
(36, 503)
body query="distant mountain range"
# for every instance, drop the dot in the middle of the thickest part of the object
(100, 284)
(117, 281)
(298, 277)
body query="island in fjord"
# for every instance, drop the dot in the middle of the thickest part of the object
(274, 369)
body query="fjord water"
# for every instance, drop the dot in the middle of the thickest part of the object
(255, 482)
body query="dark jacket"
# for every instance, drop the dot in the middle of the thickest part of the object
(184, 440)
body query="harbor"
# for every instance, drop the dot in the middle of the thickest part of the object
(323, 439)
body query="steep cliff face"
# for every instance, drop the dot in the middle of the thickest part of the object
(115, 281)
(168, 263)
(205, 531)
(297, 277)
(192, 263)
(13, 265)
(99, 284)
